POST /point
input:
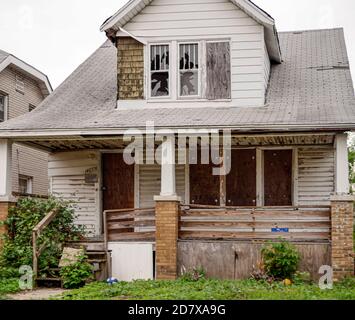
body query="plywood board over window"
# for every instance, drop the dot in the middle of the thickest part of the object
(278, 177)
(241, 181)
(218, 70)
(204, 186)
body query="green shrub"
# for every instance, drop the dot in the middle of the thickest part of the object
(76, 274)
(8, 273)
(22, 218)
(280, 259)
(195, 274)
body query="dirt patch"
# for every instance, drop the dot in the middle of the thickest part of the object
(38, 294)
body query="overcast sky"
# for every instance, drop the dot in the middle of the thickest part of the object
(57, 35)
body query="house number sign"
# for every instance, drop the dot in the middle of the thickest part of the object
(91, 175)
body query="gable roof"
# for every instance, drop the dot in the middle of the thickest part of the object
(311, 90)
(134, 7)
(7, 59)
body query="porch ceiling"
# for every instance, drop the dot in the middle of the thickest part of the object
(112, 143)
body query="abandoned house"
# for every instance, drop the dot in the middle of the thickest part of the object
(282, 102)
(22, 89)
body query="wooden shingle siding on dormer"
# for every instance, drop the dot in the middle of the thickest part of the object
(210, 20)
(130, 69)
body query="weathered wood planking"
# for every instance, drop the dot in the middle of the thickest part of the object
(130, 224)
(255, 224)
(237, 260)
(218, 71)
(222, 235)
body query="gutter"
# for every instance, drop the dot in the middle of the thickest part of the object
(97, 132)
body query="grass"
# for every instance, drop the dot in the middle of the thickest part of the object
(8, 286)
(210, 290)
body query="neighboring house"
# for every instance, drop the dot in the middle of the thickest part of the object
(286, 98)
(22, 89)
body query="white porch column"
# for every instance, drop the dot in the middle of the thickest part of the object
(341, 164)
(5, 170)
(168, 185)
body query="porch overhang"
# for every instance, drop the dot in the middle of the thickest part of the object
(86, 140)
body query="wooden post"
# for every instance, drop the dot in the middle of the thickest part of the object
(341, 164)
(222, 181)
(168, 185)
(5, 169)
(34, 254)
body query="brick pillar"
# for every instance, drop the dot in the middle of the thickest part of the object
(4, 210)
(342, 236)
(167, 228)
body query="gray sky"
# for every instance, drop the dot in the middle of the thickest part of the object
(57, 35)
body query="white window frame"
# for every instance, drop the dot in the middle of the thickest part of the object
(29, 183)
(199, 77)
(6, 100)
(149, 82)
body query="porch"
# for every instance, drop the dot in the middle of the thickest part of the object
(291, 186)
(198, 222)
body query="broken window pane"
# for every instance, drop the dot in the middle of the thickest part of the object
(159, 66)
(189, 69)
(160, 84)
(189, 83)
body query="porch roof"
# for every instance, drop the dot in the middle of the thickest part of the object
(311, 90)
(65, 143)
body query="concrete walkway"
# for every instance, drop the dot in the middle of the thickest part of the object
(38, 294)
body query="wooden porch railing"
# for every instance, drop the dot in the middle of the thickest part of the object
(129, 224)
(255, 223)
(36, 232)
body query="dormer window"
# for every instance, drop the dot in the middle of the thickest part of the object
(159, 70)
(3, 111)
(189, 69)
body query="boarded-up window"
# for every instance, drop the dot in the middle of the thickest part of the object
(218, 71)
(204, 186)
(241, 181)
(278, 177)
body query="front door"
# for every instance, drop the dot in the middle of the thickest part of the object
(118, 182)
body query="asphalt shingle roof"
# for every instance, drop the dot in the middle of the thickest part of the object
(311, 88)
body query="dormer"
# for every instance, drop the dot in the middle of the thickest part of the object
(174, 53)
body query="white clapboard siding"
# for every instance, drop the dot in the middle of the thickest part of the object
(267, 67)
(150, 183)
(67, 177)
(315, 175)
(167, 20)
